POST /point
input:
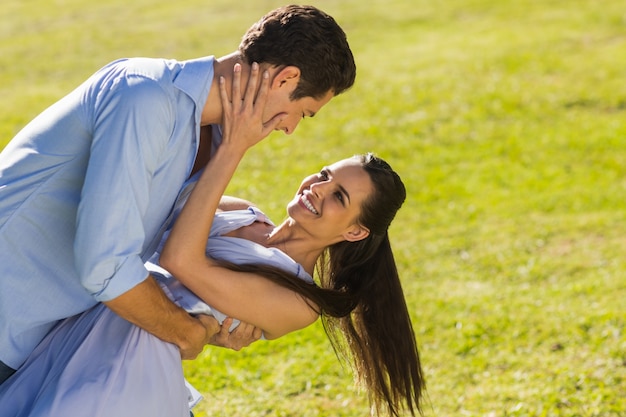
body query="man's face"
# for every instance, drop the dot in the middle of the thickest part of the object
(279, 102)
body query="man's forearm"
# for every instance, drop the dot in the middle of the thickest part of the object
(147, 306)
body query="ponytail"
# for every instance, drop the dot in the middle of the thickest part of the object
(379, 333)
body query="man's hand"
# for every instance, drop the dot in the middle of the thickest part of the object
(211, 328)
(242, 336)
(216, 335)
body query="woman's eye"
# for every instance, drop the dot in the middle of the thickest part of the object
(339, 196)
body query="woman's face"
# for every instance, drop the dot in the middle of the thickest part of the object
(328, 204)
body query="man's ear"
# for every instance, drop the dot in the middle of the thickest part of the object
(285, 76)
(355, 233)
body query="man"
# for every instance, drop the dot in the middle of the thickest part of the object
(87, 187)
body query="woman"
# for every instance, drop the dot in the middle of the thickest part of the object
(360, 300)
(98, 364)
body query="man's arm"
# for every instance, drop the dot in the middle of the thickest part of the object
(147, 306)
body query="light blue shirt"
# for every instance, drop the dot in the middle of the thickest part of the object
(86, 189)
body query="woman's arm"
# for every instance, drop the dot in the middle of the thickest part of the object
(247, 297)
(229, 203)
(242, 128)
(251, 298)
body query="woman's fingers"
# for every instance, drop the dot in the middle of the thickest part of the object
(233, 102)
(236, 91)
(262, 94)
(243, 335)
(226, 107)
(244, 111)
(253, 82)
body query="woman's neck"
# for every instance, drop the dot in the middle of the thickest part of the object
(297, 243)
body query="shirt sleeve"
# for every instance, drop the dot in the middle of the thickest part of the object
(133, 118)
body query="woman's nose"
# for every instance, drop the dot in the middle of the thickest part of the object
(318, 188)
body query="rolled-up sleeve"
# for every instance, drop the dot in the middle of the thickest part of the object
(133, 120)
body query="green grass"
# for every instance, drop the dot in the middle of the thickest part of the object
(507, 120)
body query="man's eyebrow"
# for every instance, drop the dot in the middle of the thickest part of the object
(343, 190)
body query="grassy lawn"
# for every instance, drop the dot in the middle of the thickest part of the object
(507, 120)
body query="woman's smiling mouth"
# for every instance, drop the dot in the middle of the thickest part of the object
(305, 201)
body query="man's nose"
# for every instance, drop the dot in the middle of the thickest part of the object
(291, 127)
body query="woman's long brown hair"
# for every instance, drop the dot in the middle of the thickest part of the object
(361, 302)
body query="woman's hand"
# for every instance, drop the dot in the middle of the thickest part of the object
(243, 114)
(242, 336)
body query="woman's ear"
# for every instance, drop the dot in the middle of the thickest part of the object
(356, 233)
(285, 76)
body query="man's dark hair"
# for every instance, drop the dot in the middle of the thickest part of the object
(305, 37)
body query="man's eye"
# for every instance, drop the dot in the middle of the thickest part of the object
(324, 175)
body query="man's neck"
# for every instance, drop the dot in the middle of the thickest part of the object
(222, 67)
(204, 149)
